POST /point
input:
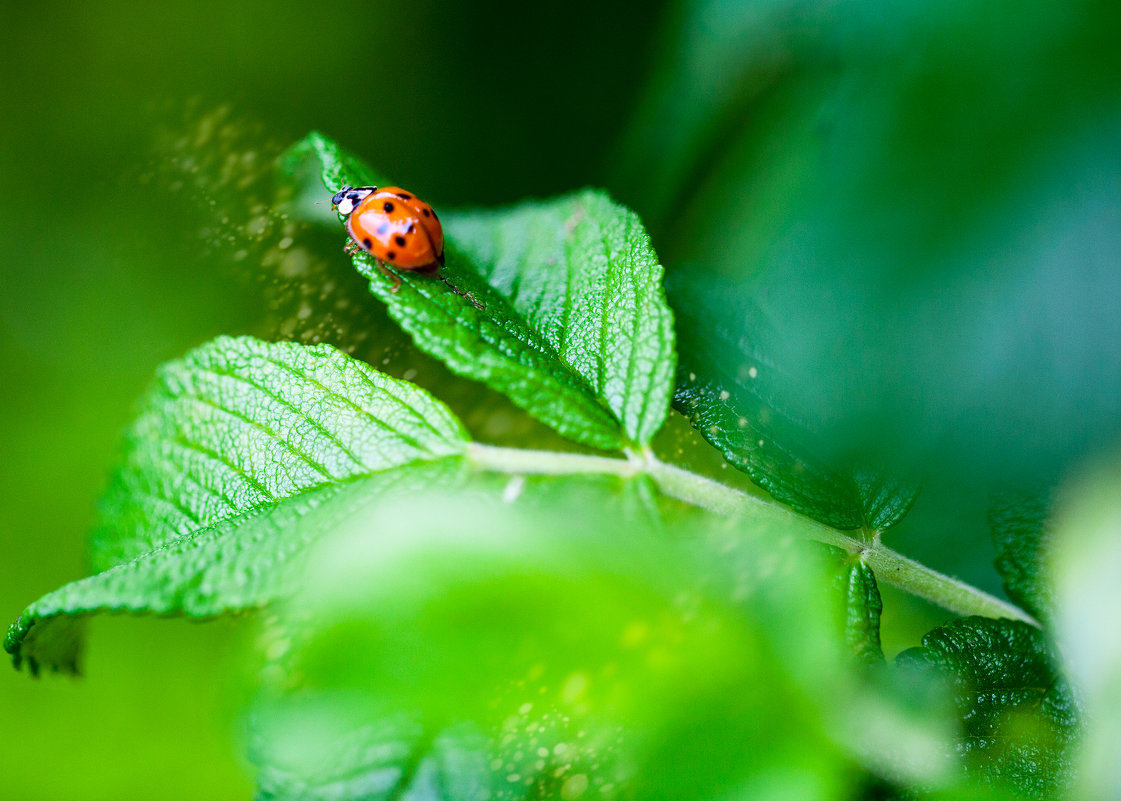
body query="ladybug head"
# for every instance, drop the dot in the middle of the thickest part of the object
(347, 198)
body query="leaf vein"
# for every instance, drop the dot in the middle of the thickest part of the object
(307, 459)
(164, 500)
(316, 424)
(218, 457)
(156, 458)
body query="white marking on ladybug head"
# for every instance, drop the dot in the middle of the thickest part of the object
(348, 198)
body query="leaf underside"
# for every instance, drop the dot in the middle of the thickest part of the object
(733, 394)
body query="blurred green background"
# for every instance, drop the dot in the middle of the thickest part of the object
(923, 197)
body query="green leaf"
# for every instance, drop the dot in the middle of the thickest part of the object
(1018, 713)
(587, 650)
(860, 606)
(242, 562)
(239, 424)
(574, 326)
(1018, 522)
(582, 273)
(744, 403)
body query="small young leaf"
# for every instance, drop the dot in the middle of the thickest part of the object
(738, 399)
(239, 563)
(574, 327)
(239, 423)
(1019, 717)
(861, 607)
(1018, 522)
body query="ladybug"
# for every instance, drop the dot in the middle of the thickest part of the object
(394, 226)
(397, 228)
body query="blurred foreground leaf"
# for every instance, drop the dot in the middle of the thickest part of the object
(575, 328)
(1085, 563)
(549, 649)
(1018, 713)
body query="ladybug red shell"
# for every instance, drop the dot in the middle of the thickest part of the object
(392, 225)
(396, 228)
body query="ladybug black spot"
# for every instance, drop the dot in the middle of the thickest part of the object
(367, 243)
(405, 196)
(412, 227)
(400, 240)
(388, 207)
(391, 255)
(426, 212)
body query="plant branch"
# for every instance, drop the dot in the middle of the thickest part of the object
(888, 565)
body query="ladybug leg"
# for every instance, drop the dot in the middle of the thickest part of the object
(462, 293)
(396, 278)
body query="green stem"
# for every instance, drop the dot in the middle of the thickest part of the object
(889, 566)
